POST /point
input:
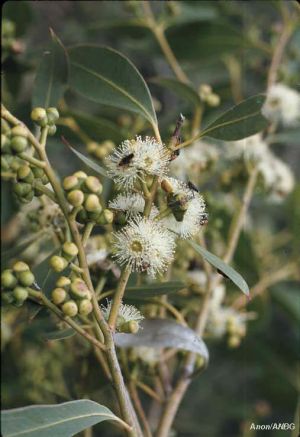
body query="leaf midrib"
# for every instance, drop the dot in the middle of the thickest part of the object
(226, 123)
(121, 90)
(110, 417)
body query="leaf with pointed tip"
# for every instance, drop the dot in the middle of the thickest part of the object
(90, 163)
(106, 76)
(241, 121)
(182, 90)
(52, 75)
(162, 333)
(232, 274)
(151, 290)
(61, 420)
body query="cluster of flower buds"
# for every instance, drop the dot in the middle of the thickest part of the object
(24, 188)
(69, 252)
(72, 296)
(208, 96)
(236, 331)
(84, 191)
(15, 283)
(100, 150)
(14, 140)
(45, 117)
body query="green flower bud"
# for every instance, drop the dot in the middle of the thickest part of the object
(24, 173)
(19, 144)
(85, 307)
(40, 174)
(20, 294)
(213, 100)
(58, 296)
(204, 91)
(63, 282)
(19, 131)
(91, 147)
(22, 189)
(82, 217)
(39, 116)
(4, 163)
(130, 327)
(26, 278)
(15, 163)
(7, 297)
(167, 186)
(27, 198)
(92, 203)
(8, 279)
(52, 115)
(58, 263)
(70, 308)
(20, 266)
(93, 184)
(52, 130)
(75, 198)
(80, 175)
(106, 217)
(5, 144)
(5, 128)
(70, 182)
(79, 289)
(70, 250)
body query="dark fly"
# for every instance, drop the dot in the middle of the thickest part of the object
(192, 186)
(126, 160)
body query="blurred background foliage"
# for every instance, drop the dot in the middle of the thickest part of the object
(227, 44)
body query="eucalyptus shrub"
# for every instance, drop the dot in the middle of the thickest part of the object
(131, 231)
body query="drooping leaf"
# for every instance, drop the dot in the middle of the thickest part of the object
(106, 76)
(183, 90)
(241, 121)
(151, 290)
(162, 333)
(90, 162)
(232, 274)
(59, 335)
(62, 420)
(52, 75)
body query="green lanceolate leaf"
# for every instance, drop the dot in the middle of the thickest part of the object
(182, 90)
(62, 420)
(235, 277)
(89, 162)
(52, 75)
(161, 333)
(151, 290)
(239, 122)
(106, 76)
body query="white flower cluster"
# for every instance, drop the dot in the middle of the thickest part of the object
(282, 105)
(277, 177)
(146, 244)
(134, 159)
(126, 314)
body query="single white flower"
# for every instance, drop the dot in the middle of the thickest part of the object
(221, 319)
(282, 104)
(144, 245)
(126, 314)
(131, 204)
(135, 158)
(194, 216)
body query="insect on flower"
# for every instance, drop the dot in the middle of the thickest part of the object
(126, 160)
